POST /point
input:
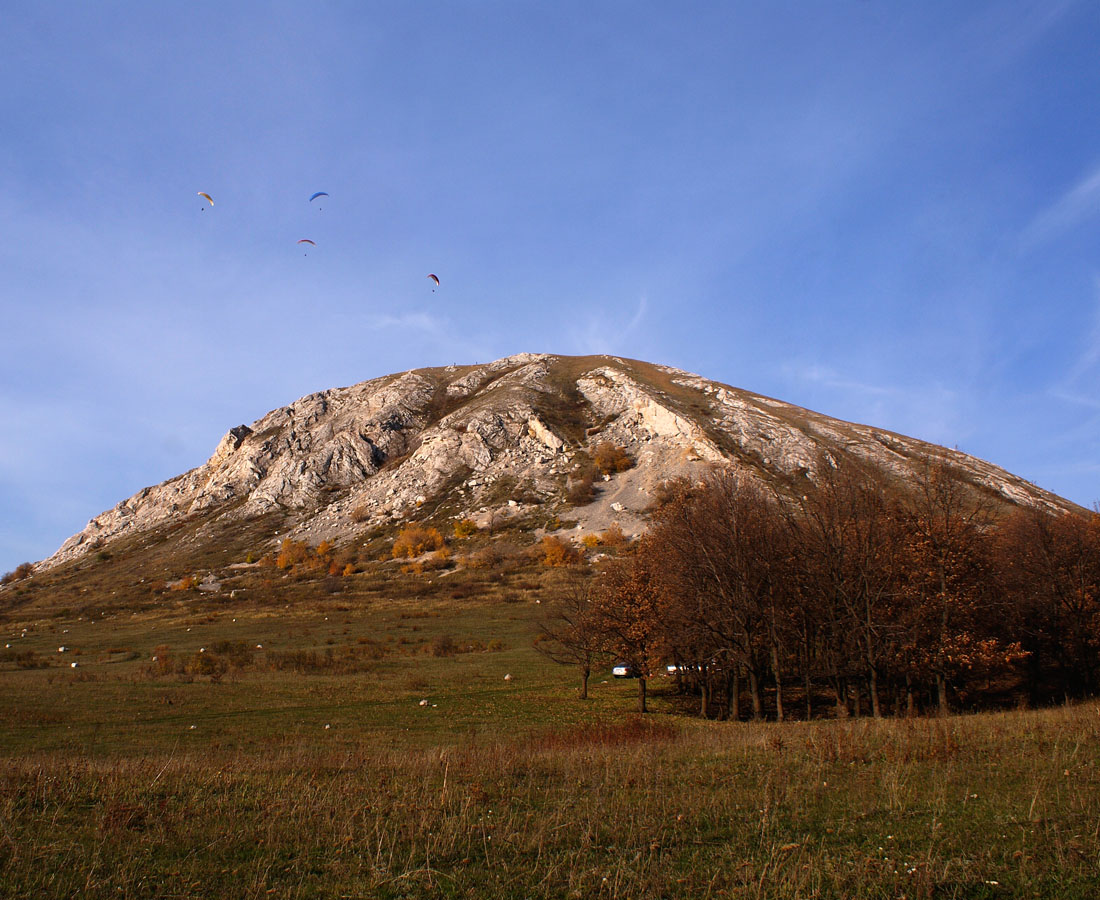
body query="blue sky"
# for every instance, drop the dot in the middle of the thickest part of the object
(889, 213)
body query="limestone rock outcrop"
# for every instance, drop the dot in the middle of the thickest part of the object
(520, 429)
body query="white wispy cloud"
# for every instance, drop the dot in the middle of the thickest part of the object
(1081, 383)
(1080, 202)
(829, 377)
(415, 321)
(929, 411)
(604, 333)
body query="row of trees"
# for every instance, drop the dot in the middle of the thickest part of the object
(848, 594)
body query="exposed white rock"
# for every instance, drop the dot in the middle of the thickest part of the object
(540, 432)
(343, 460)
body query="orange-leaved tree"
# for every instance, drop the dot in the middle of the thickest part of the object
(629, 613)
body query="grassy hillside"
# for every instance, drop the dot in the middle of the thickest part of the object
(356, 737)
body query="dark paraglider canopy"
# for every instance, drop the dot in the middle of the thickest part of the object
(434, 280)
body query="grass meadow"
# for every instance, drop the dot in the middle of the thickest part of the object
(367, 744)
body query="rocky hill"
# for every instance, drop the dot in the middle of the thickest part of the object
(504, 441)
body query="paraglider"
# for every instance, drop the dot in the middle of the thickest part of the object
(307, 241)
(435, 280)
(207, 196)
(318, 194)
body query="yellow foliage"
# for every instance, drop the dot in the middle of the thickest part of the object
(591, 541)
(554, 551)
(613, 537)
(415, 540)
(292, 553)
(464, 528)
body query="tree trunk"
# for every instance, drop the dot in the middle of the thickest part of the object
(941, 694)
(808, 687)
(585, 672)
(704, 696)
(858, 692)
(733, 690)
(641, 695)
(754, 691)
(876, 708)
(840, 690)
(778, 684)
(910, 700)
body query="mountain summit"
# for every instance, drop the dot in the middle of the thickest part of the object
(515, 438)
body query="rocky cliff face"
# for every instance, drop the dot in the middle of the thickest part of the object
(506, 439)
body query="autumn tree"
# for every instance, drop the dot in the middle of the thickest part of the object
(1049, 566)
(628, 613)
(719, 550)
(848, 536)
(946, 584)
(570, 634)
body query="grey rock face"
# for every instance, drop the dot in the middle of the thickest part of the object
(344, 459)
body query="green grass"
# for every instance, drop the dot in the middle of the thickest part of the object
(117, 781)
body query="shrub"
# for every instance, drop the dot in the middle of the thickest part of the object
(580, 489)
(611, 458)
(291, 554)
(162, 659)
(591, 541)
(238, 654)
(464, 528)
(415, 540)
(28, 659)
(613, 537)
(210, 665)
(553, 551)
(441, 559)
(187, 583)
(21, 571)
(498, 553)
(443, 645)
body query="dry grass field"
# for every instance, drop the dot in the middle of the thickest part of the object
(360, 740)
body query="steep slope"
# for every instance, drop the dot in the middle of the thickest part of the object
(509, 439)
